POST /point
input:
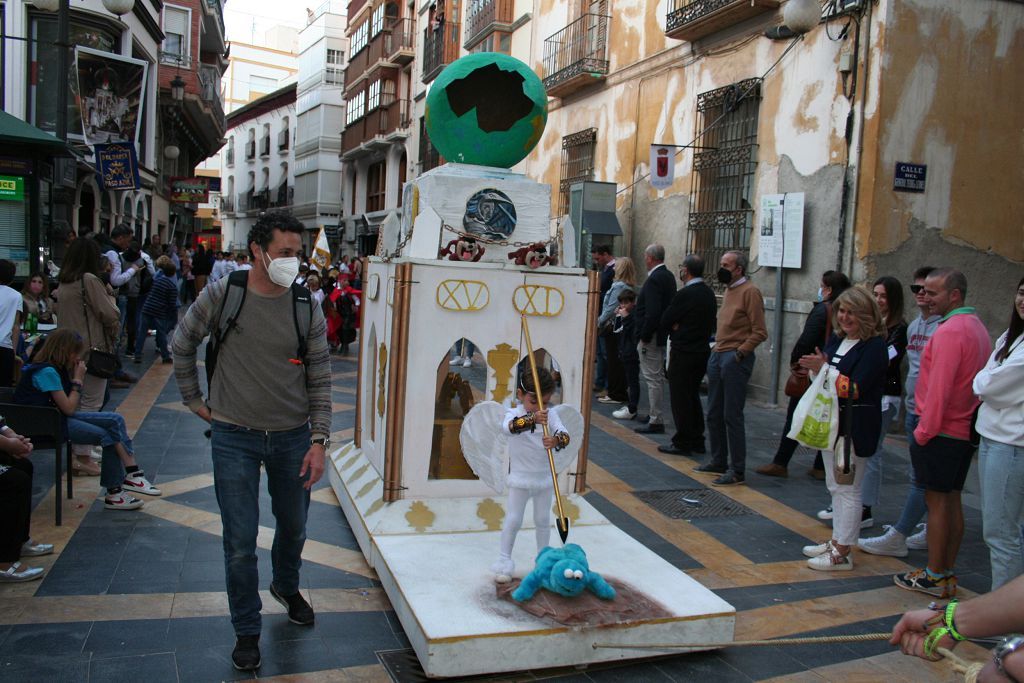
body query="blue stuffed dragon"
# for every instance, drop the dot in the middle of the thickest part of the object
(563, 571)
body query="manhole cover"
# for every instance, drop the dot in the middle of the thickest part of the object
(693, 504)
(402, 665)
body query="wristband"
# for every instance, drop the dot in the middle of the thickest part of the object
(950, 624)
(932, 639)
(561, 440)
(522, 423)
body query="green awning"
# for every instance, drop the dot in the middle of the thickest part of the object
(14, 131)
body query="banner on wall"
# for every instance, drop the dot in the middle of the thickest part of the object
(190, 190)
(111, 89)
(663, 166)
(117, 166)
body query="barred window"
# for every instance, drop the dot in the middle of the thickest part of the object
(577, 163)
(722, 189)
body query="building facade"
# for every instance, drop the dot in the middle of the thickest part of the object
(257, 164)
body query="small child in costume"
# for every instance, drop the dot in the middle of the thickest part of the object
(529, 470)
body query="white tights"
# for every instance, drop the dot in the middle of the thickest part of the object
(516, 507)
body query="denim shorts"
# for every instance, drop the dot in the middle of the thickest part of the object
(942, 464)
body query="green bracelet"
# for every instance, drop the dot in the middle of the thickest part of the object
(950, 624)
(933, 637)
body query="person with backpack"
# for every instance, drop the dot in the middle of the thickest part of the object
(269, 404)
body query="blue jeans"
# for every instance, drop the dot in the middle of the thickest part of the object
(914, 507)
(238, 453)
(873, 468)
(727, 396)
(106, 430)
(601, 372)
(162, 326)
(1001, 466)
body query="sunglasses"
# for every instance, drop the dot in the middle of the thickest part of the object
(916, 289)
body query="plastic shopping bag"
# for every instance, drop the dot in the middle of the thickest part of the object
(816, 419)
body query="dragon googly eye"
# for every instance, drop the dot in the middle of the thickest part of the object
(567, 573)
(577, 574)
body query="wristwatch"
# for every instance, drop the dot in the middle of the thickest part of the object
(1003, 650)
(321, 441)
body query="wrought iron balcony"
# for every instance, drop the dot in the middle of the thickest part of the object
(285, 195)
(250, 150)
(227, 204)
(229, 156)
(283, 138)
(265, 146)
(490, 16)
(576, 56)
(399, 42)
(694, 19)
(429, 156)
(440, 48)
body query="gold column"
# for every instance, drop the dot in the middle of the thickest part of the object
(399, 363)
(357, 437)
(589, 349)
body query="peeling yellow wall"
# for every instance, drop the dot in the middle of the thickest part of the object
(949, 96)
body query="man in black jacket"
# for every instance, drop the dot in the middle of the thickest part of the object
(690, 322)
(654, 298)
(602, 257)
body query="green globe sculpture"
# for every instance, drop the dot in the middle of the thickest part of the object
(486, 108)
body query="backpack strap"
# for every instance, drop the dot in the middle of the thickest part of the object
(230, 308)
(302, 309)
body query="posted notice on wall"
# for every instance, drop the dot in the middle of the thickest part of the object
(781, 230)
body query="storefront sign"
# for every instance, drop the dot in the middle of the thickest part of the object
(110, 92)
(117, 167)
(214, 184)
(12, 188)
(13, 165)
(909, 177)
(189, 190)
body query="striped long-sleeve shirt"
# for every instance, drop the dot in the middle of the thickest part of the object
(258, 383)
(162, 300)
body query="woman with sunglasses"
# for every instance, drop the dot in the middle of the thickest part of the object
(1000, 386)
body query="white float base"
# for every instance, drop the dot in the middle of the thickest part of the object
(433, 555)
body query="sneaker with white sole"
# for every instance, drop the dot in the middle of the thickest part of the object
(467, 363)
(920, 582)
(819, 549)
(826, 514)
(609, 399)
(624, 413)
(891, 543)
(832, 561)
(866, 521)
(455, 361)
(136, 482)
(919, 540)
(122, 501)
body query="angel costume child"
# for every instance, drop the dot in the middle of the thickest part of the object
(529, 473)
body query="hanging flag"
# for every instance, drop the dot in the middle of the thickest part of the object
(110, 92)
(321, 256)
(663, 166)
(116, 166)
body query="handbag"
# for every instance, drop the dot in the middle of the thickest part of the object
(102, 364)
(816, 418)
(845, 470)
(798, 380)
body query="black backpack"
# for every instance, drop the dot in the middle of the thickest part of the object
(231, 308)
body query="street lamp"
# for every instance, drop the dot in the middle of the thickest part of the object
(177, 89)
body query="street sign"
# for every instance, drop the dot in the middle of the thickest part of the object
(909, 177)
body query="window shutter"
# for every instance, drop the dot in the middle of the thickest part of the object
(12, 225)
(175, 21)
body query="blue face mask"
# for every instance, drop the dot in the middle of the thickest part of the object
(821, 295)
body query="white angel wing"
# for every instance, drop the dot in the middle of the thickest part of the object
(485, 443)
(573, 422)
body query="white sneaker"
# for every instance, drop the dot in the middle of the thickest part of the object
(136, 482)
(819, 549)
(122, 501)
(502, 569)
(826, 514)
(919, 540)
(455, 361)
(624, 413)
(831, 561)
(608, 399)
(467, 363)
(891, 543)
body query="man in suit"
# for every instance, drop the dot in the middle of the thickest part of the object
(602, 257)
(690, 323)
(655, 296)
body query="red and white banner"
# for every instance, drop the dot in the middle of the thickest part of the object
(663, 166)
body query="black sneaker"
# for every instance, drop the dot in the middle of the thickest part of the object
(730, 478)
(299, 611)
(246, 655)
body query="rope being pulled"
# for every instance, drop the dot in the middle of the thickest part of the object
(970, 670)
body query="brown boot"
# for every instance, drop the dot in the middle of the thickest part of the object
(773, 470)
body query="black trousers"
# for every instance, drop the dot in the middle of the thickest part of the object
(15, 505)
(617, 387)
(631, 370)
(7, 366)
(685, 371)
(787, 447)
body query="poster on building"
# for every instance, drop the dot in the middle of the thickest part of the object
(190, 190)
(12, 188)
(116, 166)
(663, 166)
(111, 89)
(781, 230)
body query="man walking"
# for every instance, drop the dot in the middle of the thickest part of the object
(740, 329)
(269, 404)
(655, 296)
(941, 450)
(690, 322)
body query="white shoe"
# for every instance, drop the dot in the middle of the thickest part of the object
(136, 482)
(831, 561)
(30, 549)
(122, 501)
(455, 361)
(608, 399)
(819, 549)
(467, 363)
(891, 543)
(624, 413)
(919, 540)
(19, 572)
(502, 569)
(826, 514)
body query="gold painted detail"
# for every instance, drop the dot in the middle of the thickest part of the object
(351, 461)
(492, 513)
(420, 517)
(370, 485)
(377, 505)
(502, 358)
(463, 295)
(382, 364)
(538, 300)
(358, 473)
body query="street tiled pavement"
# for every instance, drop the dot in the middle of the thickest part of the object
(140, 596)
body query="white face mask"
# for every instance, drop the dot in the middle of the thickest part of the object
(282, 271)
(821, 294)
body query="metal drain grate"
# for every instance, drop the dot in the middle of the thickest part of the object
(402, 665)
(693, 504)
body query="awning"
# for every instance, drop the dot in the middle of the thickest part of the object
(601, 223)
(14, 131)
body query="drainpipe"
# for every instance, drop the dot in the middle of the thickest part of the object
(851, 199)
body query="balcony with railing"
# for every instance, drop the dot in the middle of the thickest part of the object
(391, 47)
(429, 156)
(250, 150)
(213, 33)
(227, 204)
(284, 196)
(491, 16)
(379, 128)
(440, 48)
(283, 139)
(229, 155)
(694, 19)
(576, 56)
(400, 42)
(265, 146)
(209, 91)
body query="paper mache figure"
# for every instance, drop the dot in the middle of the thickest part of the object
(564, 571)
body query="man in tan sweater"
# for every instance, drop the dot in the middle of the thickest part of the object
(740, 329)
